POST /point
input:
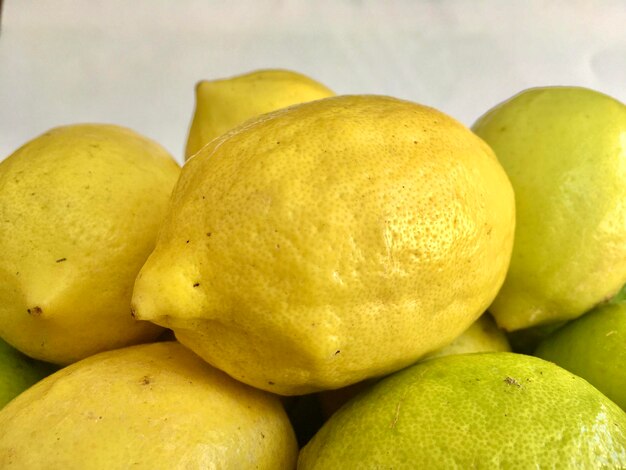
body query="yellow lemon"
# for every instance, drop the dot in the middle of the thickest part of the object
(330, 242)
(564, 150)
(483, 410)
(153, 406)
(80, 207)
(223, 104)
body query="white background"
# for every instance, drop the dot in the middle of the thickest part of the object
(136, 62)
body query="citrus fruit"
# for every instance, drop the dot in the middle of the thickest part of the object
(18, 372)
(563, 149)
(329, 242)
(225, 103)
(483, 410)
(80, 207)
(593, 347)
(482, 336)
(148, 406)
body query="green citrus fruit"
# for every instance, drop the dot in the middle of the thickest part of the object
(593, 347)
(563, 149)
(18, 372)
(482, 410)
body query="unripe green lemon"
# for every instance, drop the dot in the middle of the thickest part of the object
(483, 410)
(593, 347)
(563, 149)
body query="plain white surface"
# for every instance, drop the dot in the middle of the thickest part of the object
(135, 63)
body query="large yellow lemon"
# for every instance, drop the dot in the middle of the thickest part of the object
(330, 242)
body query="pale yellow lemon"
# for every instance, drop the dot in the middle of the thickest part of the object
(222, 104)
(329, 242)
(80, 208)
(152, 406)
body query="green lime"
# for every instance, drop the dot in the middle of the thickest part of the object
(593, 347)
(482, 410)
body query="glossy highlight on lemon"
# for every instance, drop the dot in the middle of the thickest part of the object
(329, 242)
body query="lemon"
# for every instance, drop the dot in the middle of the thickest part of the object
(80, 208)
(483, 410)
(225, 103)
(593, 347)
(152, 406)
(482, 336)
(329, 242)
(563, 149)
(18, 372)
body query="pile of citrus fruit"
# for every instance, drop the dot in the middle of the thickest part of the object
(328, 282)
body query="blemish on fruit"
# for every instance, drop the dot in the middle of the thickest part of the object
(60, 260)
(512, 381)
(34, 311)
(145, 380)
(196, 284)
(396, 415)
